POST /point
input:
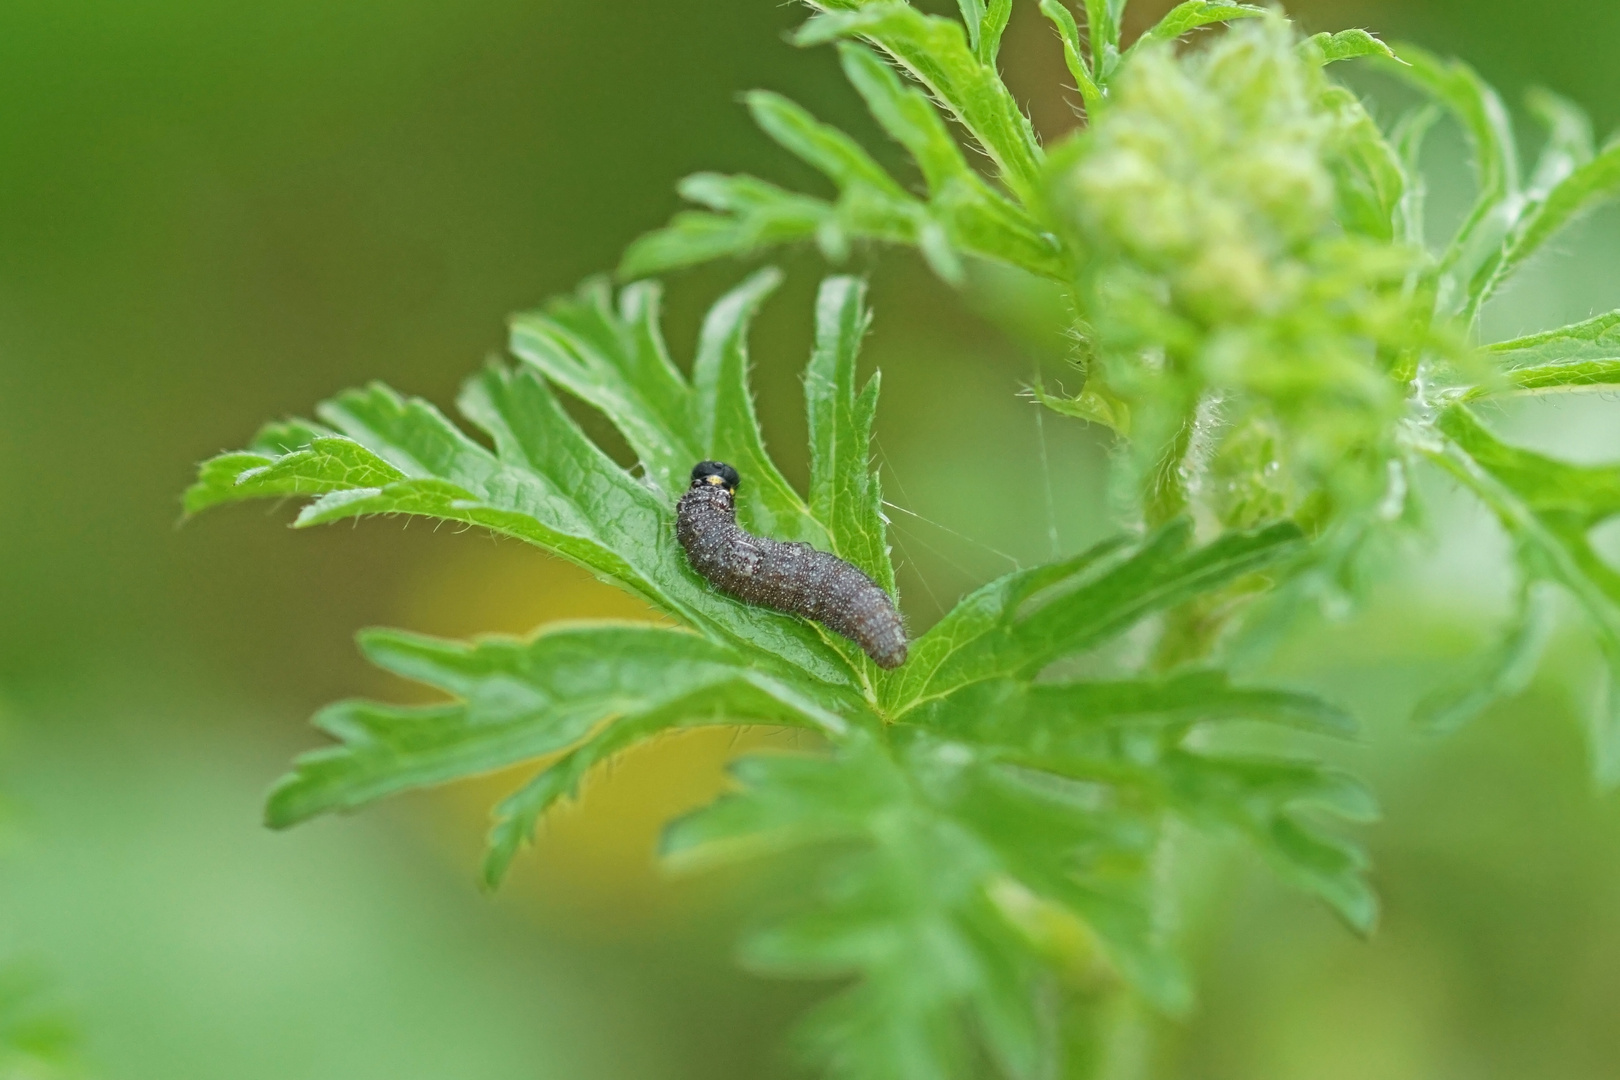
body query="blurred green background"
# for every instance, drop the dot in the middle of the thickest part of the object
(213, 214)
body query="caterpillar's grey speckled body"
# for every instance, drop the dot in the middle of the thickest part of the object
(789, 577)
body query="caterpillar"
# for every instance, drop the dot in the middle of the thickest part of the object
(790, 577)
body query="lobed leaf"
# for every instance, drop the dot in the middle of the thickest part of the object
(1190, 15)
(1022, 622)
(1586, 187)
(1369, 178)
(545, 483)
(963, 214)
(837, 156)
(1103, 19)
(972, 216)
(990, 835)
(1579, 356)
(870, 202)
(1081, 727)
(615, 361)
(985, 24)
(755, 216)
(844, 492)
(935, 52)
(1073, 57)
(786, 800)
(1132, 735)
(516, 700)
(1267, 801)
(1485, 122)
(1326, 48)
(1549, 507)
(728, 429)
(324, 464)
(934, 833)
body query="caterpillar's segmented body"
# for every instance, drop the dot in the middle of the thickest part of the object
(790, 577)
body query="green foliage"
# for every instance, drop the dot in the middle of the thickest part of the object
(1191, 15)
(1585, 354)
(1255, 312)
(976, 799)
(962, 213)
(1549, 507)
(1256, 318)
(1324, 48)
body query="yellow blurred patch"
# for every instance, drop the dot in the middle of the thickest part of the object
(595, 855)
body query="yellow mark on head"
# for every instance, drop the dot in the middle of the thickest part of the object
(714, 480)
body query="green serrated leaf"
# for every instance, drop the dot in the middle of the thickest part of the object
(786, 800)
(615, 361)
(517, 700)
(1091, 405)
(1485, 121)
(906, 114)
(1061, 842)
(1369, 179)
(1078, 726)
(326, 463)
(1190, 15)
(974, 217)
(545, 483)
(1021, 622)
(1583, 355)
(763, 700)
(727, 426)
(1549, 507)
(756, 216)
(822, 146)
(844, 491)
(1130, 735)
(1263, 799)
(1326, 48)
(991, 26)
(1583, 190)
(963, 215)
(1073, 58)
(532, 432)
(935, 52)
(994, 832)
(1103, 18)
(934, 833)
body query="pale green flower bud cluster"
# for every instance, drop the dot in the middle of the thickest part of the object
(1253, 336)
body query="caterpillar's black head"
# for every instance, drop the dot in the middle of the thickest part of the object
(717, 473)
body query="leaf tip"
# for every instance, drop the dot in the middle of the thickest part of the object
(284, 806)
